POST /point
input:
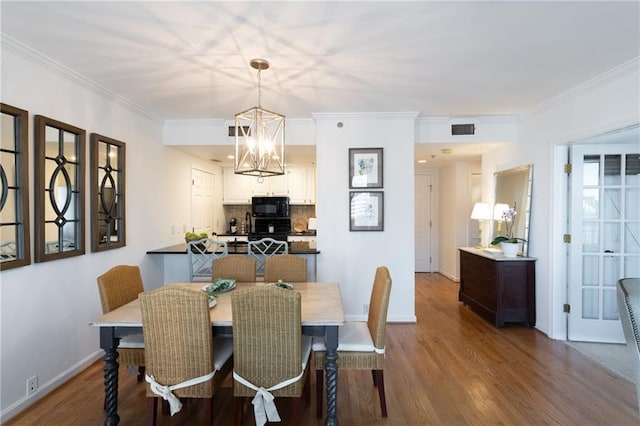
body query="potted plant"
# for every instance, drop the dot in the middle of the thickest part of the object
(509, 243)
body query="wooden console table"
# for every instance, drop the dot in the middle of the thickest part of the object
(500, 289)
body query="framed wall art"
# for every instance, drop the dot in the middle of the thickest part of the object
(366, 211)
(365, 168)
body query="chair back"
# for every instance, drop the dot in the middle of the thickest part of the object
(178, 338)
(201, 255)
(240, 268)
(379, 305)
(118, 286)
(285, 267)
(265, 248)
(628, 295)
(267, 336)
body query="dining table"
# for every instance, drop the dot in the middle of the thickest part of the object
(322, 314)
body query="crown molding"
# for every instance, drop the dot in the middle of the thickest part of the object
(612, 74)
(365, 115)
(8, 42)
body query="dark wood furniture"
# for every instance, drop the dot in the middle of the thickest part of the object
(500, 289)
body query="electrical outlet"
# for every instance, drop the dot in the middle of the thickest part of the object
(32, 385)
(365, 309)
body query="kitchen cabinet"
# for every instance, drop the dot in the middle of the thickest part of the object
(298, 183)
(302, 185)
(236, 188)
(500, 289)
(271, 186)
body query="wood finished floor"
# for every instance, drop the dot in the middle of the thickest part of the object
(451, 368)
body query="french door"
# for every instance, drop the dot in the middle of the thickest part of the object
(605, 236)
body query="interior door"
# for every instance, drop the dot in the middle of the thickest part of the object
(605, 237)
(423, 189)
(202, 191)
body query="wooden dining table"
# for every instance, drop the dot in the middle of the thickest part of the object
(322, 314)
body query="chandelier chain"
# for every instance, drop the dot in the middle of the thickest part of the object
(259, 89)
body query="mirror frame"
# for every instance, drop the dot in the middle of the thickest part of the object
(21, 181)
(523, 197)
(43, 191)
(101, 174)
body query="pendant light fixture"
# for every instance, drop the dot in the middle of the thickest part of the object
(259, 137)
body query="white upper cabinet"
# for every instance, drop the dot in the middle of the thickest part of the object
(236, 188)
(298, 183)
(302, 185)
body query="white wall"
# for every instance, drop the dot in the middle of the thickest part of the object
(350, 258)
(45, 308)
(609, 102)
(454, 206)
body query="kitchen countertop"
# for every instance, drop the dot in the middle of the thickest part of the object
(291, 234)
(294, 248)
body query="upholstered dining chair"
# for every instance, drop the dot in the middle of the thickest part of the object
(241, 268)
(201, 255)
(628, 295)
(270, 353)
(119, 286)
(361, 344)
(265, 248)
(183, 358)
(287, 267)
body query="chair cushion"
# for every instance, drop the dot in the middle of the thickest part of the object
(222, 351)
(132, 341)
(352, 337)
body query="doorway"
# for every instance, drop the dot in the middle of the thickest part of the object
(202, 191)
(604, 224)
(423, 223)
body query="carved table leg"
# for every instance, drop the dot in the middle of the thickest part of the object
(331, 369)
(109, 343)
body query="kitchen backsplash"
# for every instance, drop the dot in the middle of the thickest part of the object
(299, 215)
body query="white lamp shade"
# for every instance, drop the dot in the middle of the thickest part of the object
(480, 211)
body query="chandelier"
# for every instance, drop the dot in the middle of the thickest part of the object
(259, 137)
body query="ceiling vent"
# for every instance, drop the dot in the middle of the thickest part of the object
(232, 131)
(463, 129)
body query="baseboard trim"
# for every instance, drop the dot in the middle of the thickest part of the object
(44, 389)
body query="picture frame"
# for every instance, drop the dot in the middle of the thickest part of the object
(365, 168)
(366, 211)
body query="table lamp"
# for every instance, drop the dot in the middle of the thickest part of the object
(480, 213)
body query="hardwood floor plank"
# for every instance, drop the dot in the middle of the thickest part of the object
(451, 368)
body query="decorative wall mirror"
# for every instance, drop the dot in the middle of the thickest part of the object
(59, 190)
(512, 189)
(107, 177)
(15, 242)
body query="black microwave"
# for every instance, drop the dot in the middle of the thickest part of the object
(270, 206)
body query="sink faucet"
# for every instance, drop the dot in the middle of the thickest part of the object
(247, 218)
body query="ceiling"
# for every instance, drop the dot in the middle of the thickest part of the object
(190, 60)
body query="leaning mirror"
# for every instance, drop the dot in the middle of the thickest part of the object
(14, 188)
(107, 193)
(59, 190)
(512, 190)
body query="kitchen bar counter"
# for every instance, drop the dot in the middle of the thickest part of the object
(239, 248)
(175, 264)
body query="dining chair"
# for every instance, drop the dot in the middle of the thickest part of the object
(271, 355)
(285, 267)
(361, 344)
(119, 286)
(183, 358)
(628, 298)
(240, 268)
(265, 248)
(201, 254)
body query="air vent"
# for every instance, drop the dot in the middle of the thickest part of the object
(232, 130)
(463, 129)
